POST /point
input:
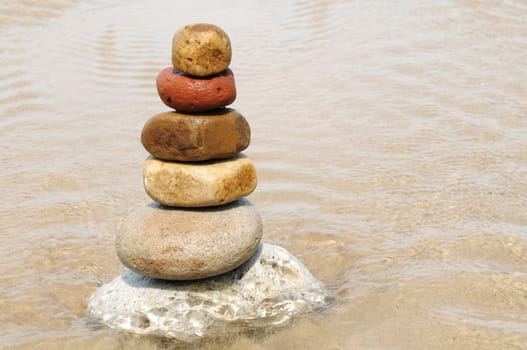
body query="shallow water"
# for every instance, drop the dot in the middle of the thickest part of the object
(390, 140)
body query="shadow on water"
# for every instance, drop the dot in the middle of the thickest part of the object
(128, 340)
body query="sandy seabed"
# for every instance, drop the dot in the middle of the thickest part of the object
(389, 140)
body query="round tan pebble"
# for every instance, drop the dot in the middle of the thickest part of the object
(201, 49)
(188, 244)
(186, 93)
(202, 184)
(191, 137)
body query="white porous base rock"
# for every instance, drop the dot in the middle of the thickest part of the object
(265, 292)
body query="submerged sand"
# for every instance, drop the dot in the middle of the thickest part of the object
(389, 140)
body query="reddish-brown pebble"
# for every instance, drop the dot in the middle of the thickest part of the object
(196, 137)
(185, 93)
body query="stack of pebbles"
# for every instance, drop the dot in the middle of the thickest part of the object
(200, 226)
(198, 269)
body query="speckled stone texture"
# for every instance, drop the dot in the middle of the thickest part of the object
(188, 244)
(264, 293)
(185, 93)
(196, 137)
(201, 49)
(199, 184)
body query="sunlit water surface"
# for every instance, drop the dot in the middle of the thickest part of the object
(390, 139)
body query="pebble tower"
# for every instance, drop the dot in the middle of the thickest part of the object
(195, 172)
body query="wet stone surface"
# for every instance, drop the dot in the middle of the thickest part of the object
(267, 292)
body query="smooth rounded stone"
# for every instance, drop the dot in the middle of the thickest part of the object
(201, 49)
(201, 184)
(265, 293)
(185, 137)
(185, 93)
(188, 244)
